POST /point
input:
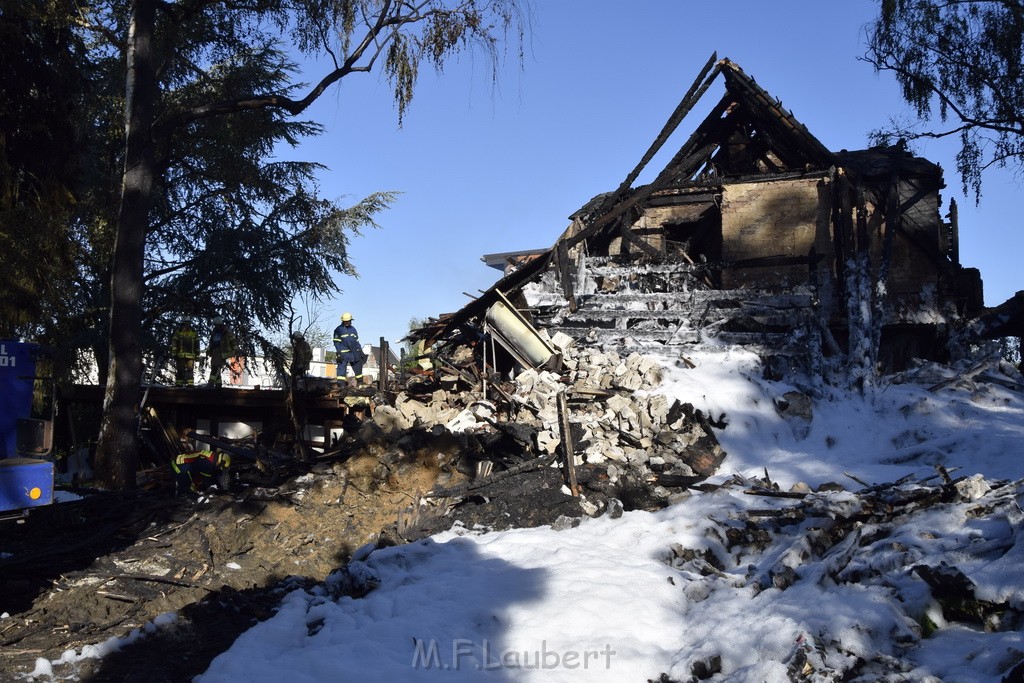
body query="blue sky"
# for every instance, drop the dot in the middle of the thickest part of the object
(486, 168)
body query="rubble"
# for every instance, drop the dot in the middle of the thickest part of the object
(871, 537)
(627, 441)
(454, 452)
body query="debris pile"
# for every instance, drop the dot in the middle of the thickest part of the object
(921, 541)
(596, 425)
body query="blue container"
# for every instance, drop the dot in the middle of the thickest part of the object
(24, 482)
(17, 377)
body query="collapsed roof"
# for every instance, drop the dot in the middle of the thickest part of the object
(851, 199)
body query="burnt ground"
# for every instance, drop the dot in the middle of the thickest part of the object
(79, 573)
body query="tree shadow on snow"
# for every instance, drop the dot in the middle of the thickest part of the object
(424, 611)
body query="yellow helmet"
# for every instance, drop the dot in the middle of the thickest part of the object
(346, 317)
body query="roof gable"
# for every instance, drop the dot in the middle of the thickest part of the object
(747, 133)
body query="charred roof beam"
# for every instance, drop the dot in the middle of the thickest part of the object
(700, 85)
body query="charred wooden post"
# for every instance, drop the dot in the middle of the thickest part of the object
(893, 213)
(954, 232)
(567, 449)
(565, 274)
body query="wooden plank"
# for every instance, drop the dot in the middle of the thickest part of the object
(696, 91)
(567, 449)
(762, 314)
(977, 368)
(168, 442)
(700, 296)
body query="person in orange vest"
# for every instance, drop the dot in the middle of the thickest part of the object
(194, 472)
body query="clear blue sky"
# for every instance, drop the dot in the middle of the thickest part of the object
(486, 168)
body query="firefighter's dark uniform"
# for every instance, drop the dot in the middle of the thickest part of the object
(193, 472)
(185, 349)
(302, 355)
(346, 345)
(222, 347)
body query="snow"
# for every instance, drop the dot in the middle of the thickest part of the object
(645, 594)
(44, 667)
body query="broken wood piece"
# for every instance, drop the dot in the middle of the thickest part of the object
(458, 372)
(770, 493)
(968, 373)
(859, 481)
(161, 579)
(592, 391)
(689, 260)
(676, 480)
(936, 476)
(462, 489)
(782, 512)
(625, 437)
(1001, 381)
(830, 340)
(567, 449)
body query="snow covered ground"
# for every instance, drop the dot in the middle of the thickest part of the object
(710, 587)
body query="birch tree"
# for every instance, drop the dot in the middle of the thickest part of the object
(960, 65)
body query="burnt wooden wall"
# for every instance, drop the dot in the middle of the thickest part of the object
(781, 218)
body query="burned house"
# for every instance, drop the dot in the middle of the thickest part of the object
(754, 234)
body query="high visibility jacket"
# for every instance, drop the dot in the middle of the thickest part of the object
(184, 460)
(222, 343)
(346, 343)
(200, 466)
(184, 344)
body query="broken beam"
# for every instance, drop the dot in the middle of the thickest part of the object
(567, 449)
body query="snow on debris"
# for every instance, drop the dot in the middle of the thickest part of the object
(895, 557)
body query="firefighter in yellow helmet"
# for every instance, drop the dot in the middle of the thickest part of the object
(346, 344)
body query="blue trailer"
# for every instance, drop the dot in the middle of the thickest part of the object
(26, 434)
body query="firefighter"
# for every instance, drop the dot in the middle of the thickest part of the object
(222, 346)
(346, 344)
(194, 472)
(185, 349)
(302, 355)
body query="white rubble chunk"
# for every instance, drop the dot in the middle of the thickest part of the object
(391, 419)
(562, 342)
(548, 441)
(973, 487)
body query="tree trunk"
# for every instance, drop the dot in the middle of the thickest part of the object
(117, 451)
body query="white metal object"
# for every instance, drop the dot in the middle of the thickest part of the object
(517, 336)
